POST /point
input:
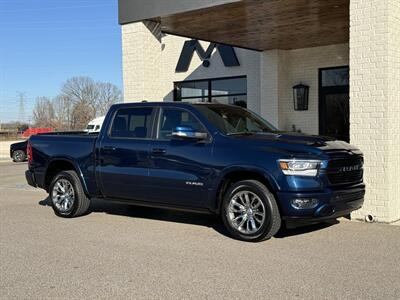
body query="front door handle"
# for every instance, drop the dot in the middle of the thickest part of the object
(158, 151)
(109, 148)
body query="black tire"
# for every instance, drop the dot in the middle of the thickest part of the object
(272, 219)
(19, 156)
(81, 202)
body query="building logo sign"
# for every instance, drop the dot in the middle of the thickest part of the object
(226, 52)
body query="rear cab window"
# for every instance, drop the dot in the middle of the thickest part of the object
(133, 122)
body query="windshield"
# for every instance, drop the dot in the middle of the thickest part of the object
(234, 120)
(89, 127)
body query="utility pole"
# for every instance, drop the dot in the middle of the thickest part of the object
(21, 111)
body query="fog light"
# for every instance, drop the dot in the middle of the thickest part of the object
(302, 203)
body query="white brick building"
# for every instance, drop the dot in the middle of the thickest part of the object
(316, 43)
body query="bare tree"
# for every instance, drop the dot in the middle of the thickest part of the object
(108, 94)
(82, 91)
(88, 99)
(81, 100)
(63, 107)
(82, 113)
(43, 113)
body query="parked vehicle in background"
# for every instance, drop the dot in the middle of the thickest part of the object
(205, 157)
(95, 125)
(18, 151)
(36, 130)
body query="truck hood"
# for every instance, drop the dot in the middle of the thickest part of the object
(322, 143)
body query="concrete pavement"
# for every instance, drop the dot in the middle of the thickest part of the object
(121, 251)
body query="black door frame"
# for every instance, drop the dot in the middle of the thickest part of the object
(323, 91)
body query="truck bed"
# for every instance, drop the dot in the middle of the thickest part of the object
(77, 147)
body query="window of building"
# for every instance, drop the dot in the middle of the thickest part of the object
(232, 90)
(174, 117)
(335, 76)
(132, 123)
(334, 103)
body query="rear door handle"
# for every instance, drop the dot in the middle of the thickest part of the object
(158, 151)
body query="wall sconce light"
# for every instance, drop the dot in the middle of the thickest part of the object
(300, 96)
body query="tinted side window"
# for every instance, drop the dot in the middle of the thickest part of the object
(173, 117)
(132, 123)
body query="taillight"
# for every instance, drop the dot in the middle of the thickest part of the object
(29, 152)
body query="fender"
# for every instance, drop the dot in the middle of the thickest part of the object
(235, 168)
(74, 164)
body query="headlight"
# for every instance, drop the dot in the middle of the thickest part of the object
(296, 167)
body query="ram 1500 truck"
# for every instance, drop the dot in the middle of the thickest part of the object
(204, 157)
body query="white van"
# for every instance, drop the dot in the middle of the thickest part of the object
(94, 125)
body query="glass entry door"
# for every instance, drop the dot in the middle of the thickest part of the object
(334, 106)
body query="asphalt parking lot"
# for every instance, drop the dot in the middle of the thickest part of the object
(121, 251)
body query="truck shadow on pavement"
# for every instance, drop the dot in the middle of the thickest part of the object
(176, 216)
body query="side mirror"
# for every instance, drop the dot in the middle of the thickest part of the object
(188, 133)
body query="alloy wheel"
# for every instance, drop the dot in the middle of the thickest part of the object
(246, 212)
(63, 195)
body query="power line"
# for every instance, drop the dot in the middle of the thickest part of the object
(19, 2)
(54, 28)
(59, 7)
(70, 21)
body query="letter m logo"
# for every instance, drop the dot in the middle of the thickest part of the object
(226, 52)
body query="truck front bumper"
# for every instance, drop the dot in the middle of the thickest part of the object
(332, 204)
(30, 178)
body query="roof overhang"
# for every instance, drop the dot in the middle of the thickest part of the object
(138, 10)
(254, 24)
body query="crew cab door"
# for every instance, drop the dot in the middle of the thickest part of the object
(124, 154)
(179, 170)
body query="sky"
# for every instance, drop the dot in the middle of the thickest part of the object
(45, 42)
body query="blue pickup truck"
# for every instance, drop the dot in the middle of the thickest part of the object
(204, 157)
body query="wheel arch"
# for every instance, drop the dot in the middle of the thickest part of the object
(59, 164)
(235, 174)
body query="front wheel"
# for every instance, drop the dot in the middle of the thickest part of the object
(250, 212)
(67, 196)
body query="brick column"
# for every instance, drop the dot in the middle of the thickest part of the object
(141, 55)
(273, 79)
(374, 102)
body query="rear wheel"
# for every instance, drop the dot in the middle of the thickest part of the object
(19, 156)
(67, 196)
(250, 212)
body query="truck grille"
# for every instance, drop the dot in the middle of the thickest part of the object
(345, 170)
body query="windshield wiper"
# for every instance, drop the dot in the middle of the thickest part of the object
(253, 132)
(243, 133)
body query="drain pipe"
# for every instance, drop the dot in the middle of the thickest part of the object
(369, 218)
